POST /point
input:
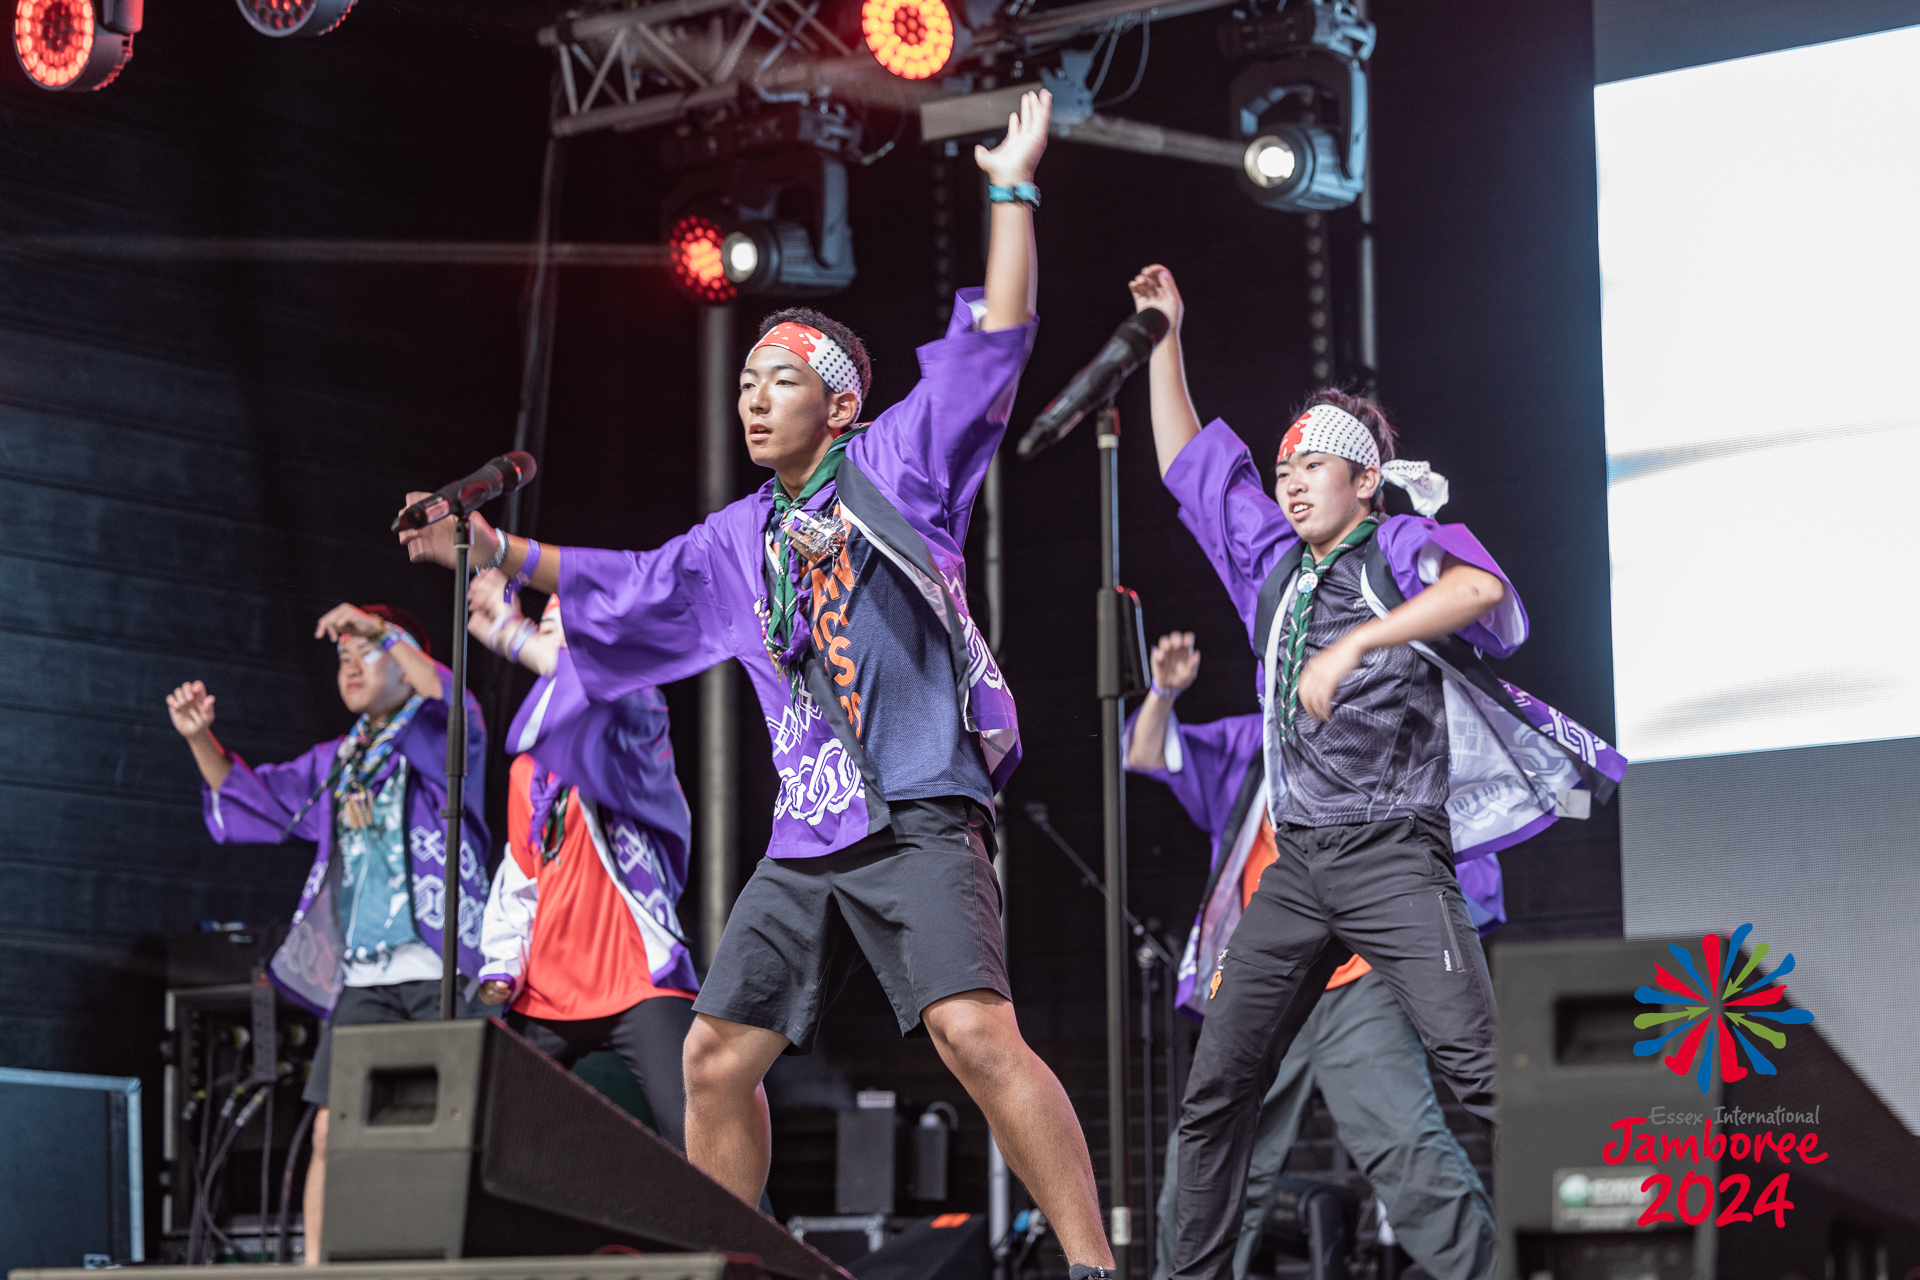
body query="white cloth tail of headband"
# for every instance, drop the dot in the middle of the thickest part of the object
(1327, 428)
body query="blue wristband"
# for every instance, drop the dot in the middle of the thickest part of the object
(1020, 192)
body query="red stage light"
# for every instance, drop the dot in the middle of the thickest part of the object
(698, 268)
(294, 17)
(911, 38)
(60, 45)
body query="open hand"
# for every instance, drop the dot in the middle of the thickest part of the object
(345, 620)
(1154, 287)
(1018, 154)
(487, 606)
(1176, 663)
(494, 991)
(434, 544)
(1322, 676)
(191, 708)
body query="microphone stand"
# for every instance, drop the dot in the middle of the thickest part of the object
(1110, 686)
(455, 811)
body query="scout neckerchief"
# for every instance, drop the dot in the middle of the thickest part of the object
(362, 754)
(547, 827)
(795, 539)
(1306, 587)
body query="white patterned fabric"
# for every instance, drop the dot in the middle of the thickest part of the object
(1327, 428)
(822, 354)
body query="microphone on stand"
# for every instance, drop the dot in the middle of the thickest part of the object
(1096, 384)
(506, 473)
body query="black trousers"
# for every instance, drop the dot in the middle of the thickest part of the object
(1383, 890)
(648, 1038)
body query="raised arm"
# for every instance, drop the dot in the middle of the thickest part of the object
(1012, 262)
(434, 544)
(1174, 420)
(345, 620)
(1176, 664)
(191, 709)
(498, 623)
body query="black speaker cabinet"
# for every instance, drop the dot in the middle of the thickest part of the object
(459, 1140)
(670, 1266)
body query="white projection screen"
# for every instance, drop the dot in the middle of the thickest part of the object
(1760, 260)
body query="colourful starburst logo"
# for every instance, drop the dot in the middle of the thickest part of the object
(1712, 1015)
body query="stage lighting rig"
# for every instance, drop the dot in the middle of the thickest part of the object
(294, 17)
(775, 226)
(67, 44)
(1295, 161)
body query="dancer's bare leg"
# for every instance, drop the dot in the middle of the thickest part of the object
(313, 1201)
(979, 1040)
(729, 1133)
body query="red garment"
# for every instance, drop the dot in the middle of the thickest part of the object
(1263, 855)
(586, 958)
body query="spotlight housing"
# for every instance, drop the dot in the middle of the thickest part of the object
(294, 17)
(695, 246)
(775, 226)
(1301, 165)
(64, 44)
(914, 39)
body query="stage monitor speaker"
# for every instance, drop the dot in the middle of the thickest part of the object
(953, 1246)
(460, 1140)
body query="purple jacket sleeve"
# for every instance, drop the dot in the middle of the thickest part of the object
(1214, 760)
(931, 450)
(254, 805)
(640, 618)
(1239, 525)
(1416, 546)
(1486, 899)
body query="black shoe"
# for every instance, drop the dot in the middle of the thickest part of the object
(1079, 1271)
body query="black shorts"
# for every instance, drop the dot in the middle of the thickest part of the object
(918, 902)
(368, 1006)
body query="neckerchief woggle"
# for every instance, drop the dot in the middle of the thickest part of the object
(788, 627)
(1306, 588)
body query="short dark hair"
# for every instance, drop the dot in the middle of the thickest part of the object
(1374, 418)
(404, 620)
(849, 340)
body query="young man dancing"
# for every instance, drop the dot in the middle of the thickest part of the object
(1357, 1047)
(1387, 741)
(366, 938)
(840, 586)
(581, 933)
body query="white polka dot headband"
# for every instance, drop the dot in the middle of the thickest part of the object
(822, 354)
(1327, 428)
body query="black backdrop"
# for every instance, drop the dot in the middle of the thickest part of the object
(197, 459)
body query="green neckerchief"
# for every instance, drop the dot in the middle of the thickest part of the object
(784, 570)
(1306, 587)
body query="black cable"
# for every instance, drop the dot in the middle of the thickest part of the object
(1111, 38)
(1139, 72)
(280, 1250)
(266, 1158)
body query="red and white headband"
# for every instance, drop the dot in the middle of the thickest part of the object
(822, 354)
(1327, 428)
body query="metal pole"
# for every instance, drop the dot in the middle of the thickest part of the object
(719, 771)
(456, 773)
(1114, 796)
(999, 1177)
(1369, 336)
(1144, 958)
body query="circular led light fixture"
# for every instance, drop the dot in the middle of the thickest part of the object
(699, 263)
(294, 17)
(911, 38)
(1270, 161)
(61, 45)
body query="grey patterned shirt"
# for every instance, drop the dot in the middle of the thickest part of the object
(1383, 755)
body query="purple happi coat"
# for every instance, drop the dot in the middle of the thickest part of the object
(637, 618)
(619, 759)
(1515, 765)
(1207, 768)
(255, 805)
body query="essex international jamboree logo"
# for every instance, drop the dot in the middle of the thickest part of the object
(1718, 1018)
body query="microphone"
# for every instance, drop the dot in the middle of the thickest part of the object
(1096, 384)
(506, 473)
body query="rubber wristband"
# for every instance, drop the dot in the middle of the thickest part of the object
(1019, 193)
(499, 550)
(389, 637)
(527, 632)
(525, 575)
(505, 618)
(1168, 694)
